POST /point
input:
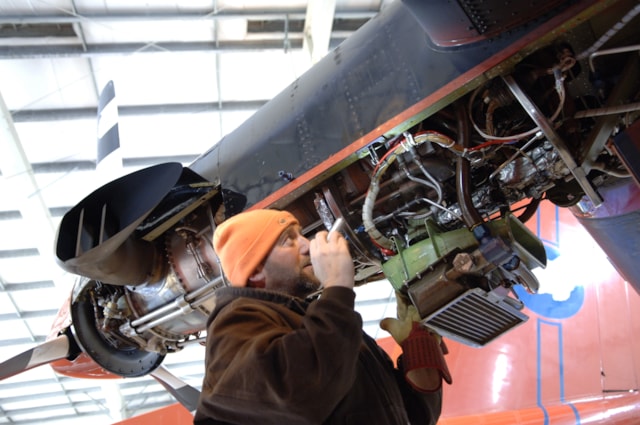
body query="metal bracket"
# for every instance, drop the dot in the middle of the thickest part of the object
(554, 138)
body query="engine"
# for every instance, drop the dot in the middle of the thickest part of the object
(142, 246)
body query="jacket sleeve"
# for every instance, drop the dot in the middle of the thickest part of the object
(262, 367)
(423, 408)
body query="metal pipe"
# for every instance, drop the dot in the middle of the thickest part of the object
(608, 110)
(168, 311)
(609, 34)
(625, 49)
(470, 215)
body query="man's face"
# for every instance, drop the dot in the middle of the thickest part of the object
(288, 268)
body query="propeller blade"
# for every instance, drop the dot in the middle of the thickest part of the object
(183, 392)
(47, 352)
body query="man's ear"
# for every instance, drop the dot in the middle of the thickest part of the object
(257, 279)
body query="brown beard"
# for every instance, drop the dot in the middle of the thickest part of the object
(303, 286)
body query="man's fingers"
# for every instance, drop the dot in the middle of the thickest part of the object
(386, 323)
(398, 330)
(401, 310)
(412, 312)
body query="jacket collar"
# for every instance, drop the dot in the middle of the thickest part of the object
(225, 295)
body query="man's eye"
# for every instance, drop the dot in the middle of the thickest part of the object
(288, 241)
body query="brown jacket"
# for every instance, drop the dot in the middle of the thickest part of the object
(274, 359)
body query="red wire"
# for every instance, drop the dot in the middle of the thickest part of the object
(386, 155)
(385, 251)
(490, 143)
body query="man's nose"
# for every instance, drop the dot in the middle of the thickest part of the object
(304, 244)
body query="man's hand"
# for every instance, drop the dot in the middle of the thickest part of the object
(423, 350)
(331, 260)
(407, 314)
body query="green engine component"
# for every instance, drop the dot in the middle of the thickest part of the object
(459, 280)
(425, 257)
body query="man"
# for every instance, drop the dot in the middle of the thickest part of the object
(274, 358)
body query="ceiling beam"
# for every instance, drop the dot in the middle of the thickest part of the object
(156, 399)
(16, 342)
(93, 50)
(42, 115)
(54, 211)
(27, 286)
(96, 50)
(152, 16)
(27, 315)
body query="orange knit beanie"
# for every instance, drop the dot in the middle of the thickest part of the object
(243, 241)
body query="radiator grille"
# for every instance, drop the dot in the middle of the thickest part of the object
(475, 318)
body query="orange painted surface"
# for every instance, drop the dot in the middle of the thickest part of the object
(171, 415)
(82, 367)
(617, 410)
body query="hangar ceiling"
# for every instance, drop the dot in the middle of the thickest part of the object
(185, 74)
